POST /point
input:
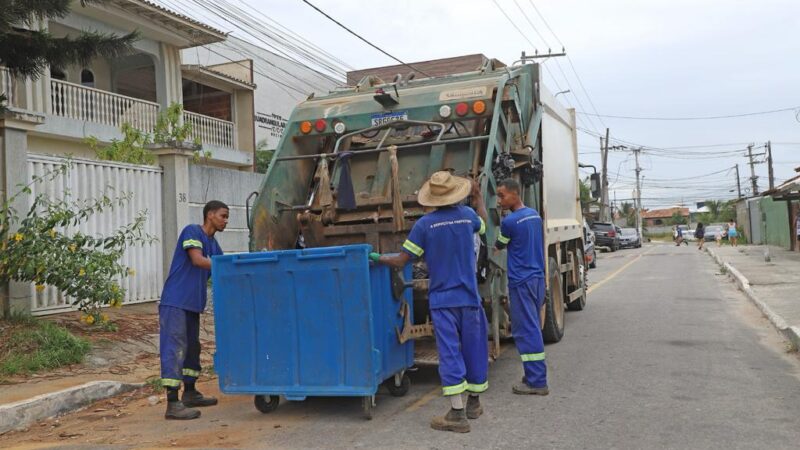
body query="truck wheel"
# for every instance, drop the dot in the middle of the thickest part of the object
(367, 405)
(579, 303)
(593, 265)
(398, 391)
(267, 404)
(553, 328)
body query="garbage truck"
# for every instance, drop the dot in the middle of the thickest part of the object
(350, 164)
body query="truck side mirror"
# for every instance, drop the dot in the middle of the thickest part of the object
(594, 183)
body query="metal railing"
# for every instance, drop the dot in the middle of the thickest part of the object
(211, 130)
(74, 101)
(7, 86)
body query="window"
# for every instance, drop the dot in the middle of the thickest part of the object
(87, 78)
(58, 74)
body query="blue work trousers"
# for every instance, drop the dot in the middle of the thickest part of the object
(462, 342)
(527, 299)
(179, 337)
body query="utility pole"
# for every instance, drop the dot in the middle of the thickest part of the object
(738, 185)
(638, 196)
(604, 213)
(769, 165)
(753, 178)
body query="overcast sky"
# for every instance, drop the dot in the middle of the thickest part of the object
(675, 58)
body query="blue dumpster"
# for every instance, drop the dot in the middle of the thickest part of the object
(314, 322)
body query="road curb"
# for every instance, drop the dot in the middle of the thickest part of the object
(18, 415)
(792, 333)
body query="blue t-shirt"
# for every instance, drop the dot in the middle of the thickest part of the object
(185, 287)
(522, 232)
(445, 238)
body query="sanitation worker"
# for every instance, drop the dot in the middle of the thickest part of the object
(182, 301)
(445, 239)
(521, 233)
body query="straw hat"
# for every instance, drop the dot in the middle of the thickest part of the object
(443, 189)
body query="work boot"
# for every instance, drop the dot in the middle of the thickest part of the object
(524, 389)
(455, 420)
(474, 408)
(195, 399)
(179, 411)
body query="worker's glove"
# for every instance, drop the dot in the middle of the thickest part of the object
(374, 257)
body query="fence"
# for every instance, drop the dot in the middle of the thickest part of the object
(74, 101)
(211, 130)
(87, 180)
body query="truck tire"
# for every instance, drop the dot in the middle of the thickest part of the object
(579, 303)
(553, 327)
(593, 265)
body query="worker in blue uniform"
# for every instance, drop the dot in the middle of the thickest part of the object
(445, 239)
(521, 233)
(182, 301)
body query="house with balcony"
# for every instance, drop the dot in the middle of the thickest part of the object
(95, 100)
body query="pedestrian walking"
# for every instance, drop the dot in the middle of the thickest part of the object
(699, 234)
(797, 231)
(521, 233)
(182, 301)
(679, 236)
(444, 238)
(733, 235)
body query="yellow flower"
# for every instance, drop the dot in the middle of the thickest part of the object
(39, 287)
(18, 237)
(131, 272)
(90, 319)
(81, 272)
(72, 247)
(52, 233)
(103, 318)
(114, 288)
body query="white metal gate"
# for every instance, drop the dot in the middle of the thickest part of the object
(87, 179)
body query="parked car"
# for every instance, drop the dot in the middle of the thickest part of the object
(589, 250)
(629, 238)
(712, 231)
(606, 235)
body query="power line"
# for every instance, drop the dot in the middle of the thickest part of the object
(363, 39)
(729, 116)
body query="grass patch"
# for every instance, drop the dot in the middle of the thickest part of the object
(32, 345)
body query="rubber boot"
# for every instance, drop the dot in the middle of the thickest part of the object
(524, 389)
(474, 408)
(455, 420)
(195, 399)
(179, 411)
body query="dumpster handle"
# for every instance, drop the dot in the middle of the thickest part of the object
(271, 258)
(336, 254)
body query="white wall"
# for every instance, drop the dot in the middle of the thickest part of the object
(274, 102)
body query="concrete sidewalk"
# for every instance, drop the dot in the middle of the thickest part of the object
(774, 285)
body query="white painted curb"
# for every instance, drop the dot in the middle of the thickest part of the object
(792, 333)
(17, 415)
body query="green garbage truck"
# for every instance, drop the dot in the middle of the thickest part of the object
(349, 166)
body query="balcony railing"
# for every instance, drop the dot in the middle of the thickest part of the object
(74, 101)
(211, 130)
(7, 85)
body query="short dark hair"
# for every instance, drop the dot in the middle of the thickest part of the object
(212, 206)
(511, 185)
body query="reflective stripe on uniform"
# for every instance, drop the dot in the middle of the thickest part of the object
(483, 226)
(170, 382)
(478, 388)
(532, 357)
(192, 243)
(456, 389)
(191, 373)
(413, 248)
(502, 239)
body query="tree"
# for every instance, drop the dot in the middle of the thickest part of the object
(28, 52)
(264, 157)
(677, 219)
(629, 214)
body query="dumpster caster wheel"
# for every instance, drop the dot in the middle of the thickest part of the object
(398, 391)
(267, 404)
(367, 404)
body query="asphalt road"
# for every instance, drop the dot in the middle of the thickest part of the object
(667, 354)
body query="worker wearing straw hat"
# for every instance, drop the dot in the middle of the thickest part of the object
(444, 238)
